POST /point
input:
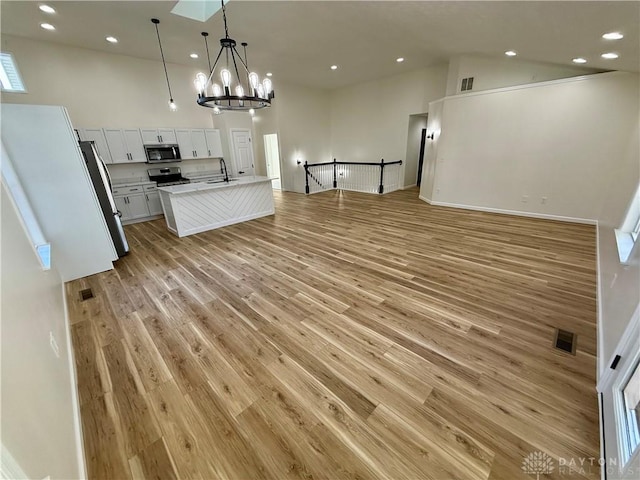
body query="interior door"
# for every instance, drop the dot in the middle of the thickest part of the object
(272, 156)
(242, 151)
(620, 402)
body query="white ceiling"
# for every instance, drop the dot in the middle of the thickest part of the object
(299, 40)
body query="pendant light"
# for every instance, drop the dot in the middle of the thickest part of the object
(230, 85)
(172, 105)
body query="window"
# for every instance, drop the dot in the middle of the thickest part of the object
(19, 199)
(10, 80)
(627, 236)
(629, 414)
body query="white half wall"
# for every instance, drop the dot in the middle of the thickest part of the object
(40, 421)
(539, 149)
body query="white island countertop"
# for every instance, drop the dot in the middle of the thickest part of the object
(201, 186)
(197, 207)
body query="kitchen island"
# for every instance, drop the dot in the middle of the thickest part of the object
(198, 207)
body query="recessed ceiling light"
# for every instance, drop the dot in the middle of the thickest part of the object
(510, 53)
(47, 9)
(609, 56)
(400, 60)
(194, 55)
(269, 74)
(334, 67)
(47, 26)
(613, 36)
(579, 60)
(111, 39)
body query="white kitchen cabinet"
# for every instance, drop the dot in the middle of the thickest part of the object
(125, 145)
(122, 206)
(131, 201)
(138, 206)
(153, 200)
(214, 143)
(152, 136)
(192, 143)
(132, 206)
(96, 135)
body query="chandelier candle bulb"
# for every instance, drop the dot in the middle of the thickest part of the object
(239, 91)
(217, 90)
(225, 75)
(254, 80)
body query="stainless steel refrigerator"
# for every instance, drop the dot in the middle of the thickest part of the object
(102, 185)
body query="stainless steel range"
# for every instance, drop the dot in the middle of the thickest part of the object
(168, 176)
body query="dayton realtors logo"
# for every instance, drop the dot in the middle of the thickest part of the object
(537, 463)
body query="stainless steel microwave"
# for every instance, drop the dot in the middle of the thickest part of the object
(162, 153)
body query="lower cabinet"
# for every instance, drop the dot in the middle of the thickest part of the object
(136, 202)
(132, 206)
(153, 203)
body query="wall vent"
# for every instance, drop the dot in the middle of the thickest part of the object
(86, 294)
(565, 341)
(467, 84)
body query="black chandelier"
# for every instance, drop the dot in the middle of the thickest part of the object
(239, 89)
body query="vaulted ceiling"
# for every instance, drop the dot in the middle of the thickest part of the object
(299, 40)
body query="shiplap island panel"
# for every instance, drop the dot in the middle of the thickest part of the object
(198, 207)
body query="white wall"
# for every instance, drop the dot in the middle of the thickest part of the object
(550, 140)
(300, 116)
(102, 89)
(412, 158)
(225, 122)
(40, 423)
(370, 121)
(619, 285)
(431, 150)
(497, 72)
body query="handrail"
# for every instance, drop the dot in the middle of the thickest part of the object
(335, 163)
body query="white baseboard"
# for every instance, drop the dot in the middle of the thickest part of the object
(425, 199)
(75, 396)
(518, 213)
(409, 186)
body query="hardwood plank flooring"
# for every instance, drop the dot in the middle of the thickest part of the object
(350, 336)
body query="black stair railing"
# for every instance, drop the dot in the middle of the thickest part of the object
(309, 174)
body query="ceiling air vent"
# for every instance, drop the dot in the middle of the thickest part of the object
(467, 84)
(565, 341)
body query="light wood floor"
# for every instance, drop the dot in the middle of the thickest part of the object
(348, 336)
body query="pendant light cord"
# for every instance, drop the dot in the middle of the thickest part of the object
(163, 62)
(224, 17)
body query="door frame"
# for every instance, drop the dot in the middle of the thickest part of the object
(423, 144)
(610, 382)
(279, 155)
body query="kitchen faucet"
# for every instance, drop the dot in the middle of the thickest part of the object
(223, 169)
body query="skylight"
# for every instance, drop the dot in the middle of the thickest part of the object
(10, 79)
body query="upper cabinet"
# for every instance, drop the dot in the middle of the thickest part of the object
(158, 135)
(214, 143)
(125, 145)
(192, 143)
(96, 135)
